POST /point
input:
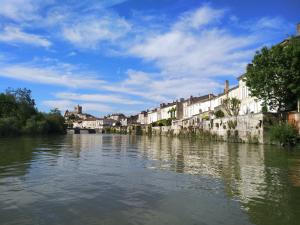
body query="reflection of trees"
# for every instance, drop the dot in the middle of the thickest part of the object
(16, 153)
(279, 200)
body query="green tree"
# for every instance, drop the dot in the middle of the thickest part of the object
(274, 75)
(18, 115)
(55, 122)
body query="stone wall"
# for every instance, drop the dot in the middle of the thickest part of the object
(247, 128)
(251, 128)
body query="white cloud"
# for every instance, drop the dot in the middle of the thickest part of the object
(198, 18)
(270, 23)
(165, 89)
(11, 34)
(89, 32)
(114, 99)
(55, 75)
(207, 52)
(18, 10)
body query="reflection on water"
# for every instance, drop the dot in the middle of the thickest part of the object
(119, 179)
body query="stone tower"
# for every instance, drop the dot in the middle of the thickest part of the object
(78, 109)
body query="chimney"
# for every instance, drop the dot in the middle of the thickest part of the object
(226, 87)
(298, 29)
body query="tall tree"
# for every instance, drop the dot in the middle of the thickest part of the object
(274, 75)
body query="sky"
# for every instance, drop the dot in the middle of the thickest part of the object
(125, 56)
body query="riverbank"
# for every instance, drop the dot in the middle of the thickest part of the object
(251, 128)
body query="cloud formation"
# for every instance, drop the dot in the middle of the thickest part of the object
(91, 31)
(11, 34)
(162, 58)
(49, 75)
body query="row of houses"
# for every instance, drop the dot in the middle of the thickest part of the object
(183, 112)
(190, 111)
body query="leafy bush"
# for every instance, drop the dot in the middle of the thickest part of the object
(205, 117)
(284, 133)
(219, 114)
(164, 122)
(9, 126)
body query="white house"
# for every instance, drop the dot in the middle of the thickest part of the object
(104, 122)
(195, 105)
(152, 116)
(165, 111)
(89, 123)
(248, 104)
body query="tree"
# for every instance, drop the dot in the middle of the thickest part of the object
(172, 112)
(231, 106)
(25, 105)
(18, 115)
(274, 75)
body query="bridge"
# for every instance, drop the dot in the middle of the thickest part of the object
(81, 131)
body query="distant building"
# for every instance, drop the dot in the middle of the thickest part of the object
(102, 123)
(89, 123)
(77, 114)
(116, 116)
(131, 120)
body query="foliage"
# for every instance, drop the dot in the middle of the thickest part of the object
(283, 133)
(9, 126)
(274, 75)
(231, 106)
(219, 114)
(164, 122)
(18, 115)
(205, 117)
(172, 112)
(232, 124)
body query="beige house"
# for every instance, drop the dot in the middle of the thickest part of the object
(142, 118)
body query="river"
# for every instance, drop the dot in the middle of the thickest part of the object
(122, 179)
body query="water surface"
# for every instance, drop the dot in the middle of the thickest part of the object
(119, 179)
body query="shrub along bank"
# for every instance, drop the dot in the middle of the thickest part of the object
(18, 115)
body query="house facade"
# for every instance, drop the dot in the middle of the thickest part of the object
(152, 116)
(142, 118)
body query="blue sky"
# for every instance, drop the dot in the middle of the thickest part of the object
(127, 56)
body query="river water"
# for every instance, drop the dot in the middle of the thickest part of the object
(120, 179)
